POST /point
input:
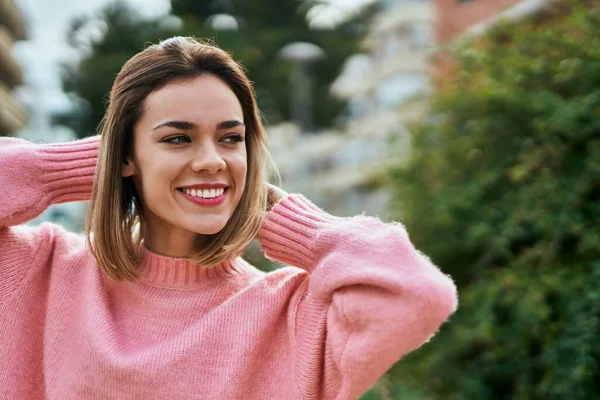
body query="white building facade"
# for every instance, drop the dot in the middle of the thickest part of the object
(385, 86)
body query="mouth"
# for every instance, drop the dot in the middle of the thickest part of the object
(205, 194)
(205, 197)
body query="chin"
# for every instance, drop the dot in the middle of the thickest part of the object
(208, 231)
(204, 228)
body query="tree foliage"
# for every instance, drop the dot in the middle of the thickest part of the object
(265, 26)
(503, 192)
(88, 82)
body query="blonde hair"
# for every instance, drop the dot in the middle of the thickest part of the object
(114, 226)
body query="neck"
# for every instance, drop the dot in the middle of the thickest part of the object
(169, 243)
(182, 272)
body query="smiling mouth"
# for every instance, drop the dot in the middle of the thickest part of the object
(205, 193)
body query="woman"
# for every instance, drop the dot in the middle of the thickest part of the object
(157, 303)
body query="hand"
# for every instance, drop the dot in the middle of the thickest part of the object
(275, 194)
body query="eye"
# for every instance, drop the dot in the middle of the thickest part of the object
(180, 139)
(232, 139)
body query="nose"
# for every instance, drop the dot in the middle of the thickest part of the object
(207, 158)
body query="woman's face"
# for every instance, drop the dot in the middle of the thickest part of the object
(190, 137)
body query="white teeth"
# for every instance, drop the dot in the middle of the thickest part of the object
(207, 194)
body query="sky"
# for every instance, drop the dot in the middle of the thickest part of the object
(46, 47)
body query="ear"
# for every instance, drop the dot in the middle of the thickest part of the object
(128, 168)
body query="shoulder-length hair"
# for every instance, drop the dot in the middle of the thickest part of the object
(115, 221)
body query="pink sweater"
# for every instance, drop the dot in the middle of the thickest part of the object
(354, 299)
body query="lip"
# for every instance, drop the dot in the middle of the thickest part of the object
(213, 185)
(215, 201)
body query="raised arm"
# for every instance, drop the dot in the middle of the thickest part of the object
(35, 176)
(370, 297)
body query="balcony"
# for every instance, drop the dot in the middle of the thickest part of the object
(10, 70)
(11, 18)
(407, 12)
(12, 115)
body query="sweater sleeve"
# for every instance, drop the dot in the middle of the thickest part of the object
(33, 177)
(370, 297)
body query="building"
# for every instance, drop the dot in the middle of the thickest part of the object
(457, 16)
(12, 28)
(387, 86)
(462, 19)
(341, 171)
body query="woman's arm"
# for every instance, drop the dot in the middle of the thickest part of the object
(33, 177)
(371, 297)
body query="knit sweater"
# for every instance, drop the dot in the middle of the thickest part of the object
(353, 297)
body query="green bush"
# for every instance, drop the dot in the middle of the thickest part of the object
(503, 192)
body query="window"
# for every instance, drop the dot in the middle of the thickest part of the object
(422, 34)
(399, 88)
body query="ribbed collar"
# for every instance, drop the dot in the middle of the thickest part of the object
(182, 273)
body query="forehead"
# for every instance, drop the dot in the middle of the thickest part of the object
(205, 100)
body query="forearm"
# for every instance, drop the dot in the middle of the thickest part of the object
(35, 176)
(371, 296)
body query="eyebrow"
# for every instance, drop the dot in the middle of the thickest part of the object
(232, 123)
(186, 125)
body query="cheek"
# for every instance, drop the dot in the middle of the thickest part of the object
(157, 178)
(239, 168)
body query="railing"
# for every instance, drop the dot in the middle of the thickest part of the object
(10, 71)
(10, 15)
(12, 115)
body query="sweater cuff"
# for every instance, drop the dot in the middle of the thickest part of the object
(289, 230)
(69, 169)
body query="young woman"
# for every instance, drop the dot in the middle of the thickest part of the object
(154, 302)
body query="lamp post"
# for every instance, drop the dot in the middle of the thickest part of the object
(301, 55)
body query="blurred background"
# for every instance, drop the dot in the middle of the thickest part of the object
(476, 123)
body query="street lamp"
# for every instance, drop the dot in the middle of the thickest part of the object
(301, 55)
